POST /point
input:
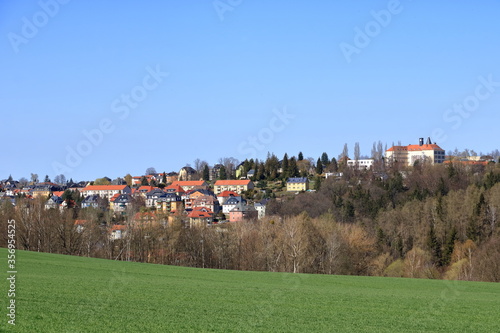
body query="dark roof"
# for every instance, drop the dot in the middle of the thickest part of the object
(297, 180)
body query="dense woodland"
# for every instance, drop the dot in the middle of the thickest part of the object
(425, 221)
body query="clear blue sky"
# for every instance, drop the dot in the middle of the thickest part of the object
(232, 67)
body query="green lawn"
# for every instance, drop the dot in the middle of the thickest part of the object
(58, 293)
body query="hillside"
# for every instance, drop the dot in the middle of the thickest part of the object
(57, 293)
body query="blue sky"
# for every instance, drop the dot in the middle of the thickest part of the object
(162, 83)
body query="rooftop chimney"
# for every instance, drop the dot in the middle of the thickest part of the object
(420, 141)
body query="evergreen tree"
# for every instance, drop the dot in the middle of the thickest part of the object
(206, 173)
(164, 178)
(324, 159)
(293, 169)
(319, 167)
(285, 167)
(334, 165)
(434, 246)
(317, 183)
(47, 179)
(222, 173)
(300, 157)
(144, 181)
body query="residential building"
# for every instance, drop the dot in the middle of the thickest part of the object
(201, 216)
(223, 196)
(106, 191)
(121, 203)
(118, 232)
(53, 202)
(408, 155)
(94, 201)
(207, 201)
(297, 184)
(187, 173)
(361, 164)
(231, 203)
(242, 212)
(191, 184)
(237, 186)
(261, 208)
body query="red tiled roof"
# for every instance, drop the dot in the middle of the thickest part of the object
(175, 187)
(188, 182)
(104, 188)
(202, 209)
(58, 193)
(118, 227)
(423, 147)
(415, 147)
(228, 194)
(80, 222)
(199, 214)
(113, 198)
(232, 182)
(145, 188)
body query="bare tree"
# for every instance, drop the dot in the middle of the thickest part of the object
(34, 178)
(199, 165)
(357, 152)
(345, 151)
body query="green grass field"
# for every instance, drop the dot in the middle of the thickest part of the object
(56, 293)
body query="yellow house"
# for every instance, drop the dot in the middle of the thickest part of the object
(297, 184)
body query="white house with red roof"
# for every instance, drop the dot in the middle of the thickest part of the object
(105, 191)
(237, 186)
(408, 155)
(224, 195)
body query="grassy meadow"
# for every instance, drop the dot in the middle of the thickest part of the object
(56, 293)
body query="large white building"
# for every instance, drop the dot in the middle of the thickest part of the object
(408, 155)
(362, 164)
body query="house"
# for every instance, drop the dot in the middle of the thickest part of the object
(240, 171)
(45, 189)
(106, 191)
(361, 164)
(94, 201)
(201, 216)
(207, 201)
(250, 173)
(177, 189)
(297, 184)
(170, 203)
(408, 155)
(232, 202)
(142, 218)
(223, 196)
(190, 196)
(143, 190)
(53, 202)
(80, 225)
(118, 232)
(215, 172)
(237, 186)
(153, 196)
(121, 203)
(187, 173)
(261, 208)
(191, 184)
(242, 212)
